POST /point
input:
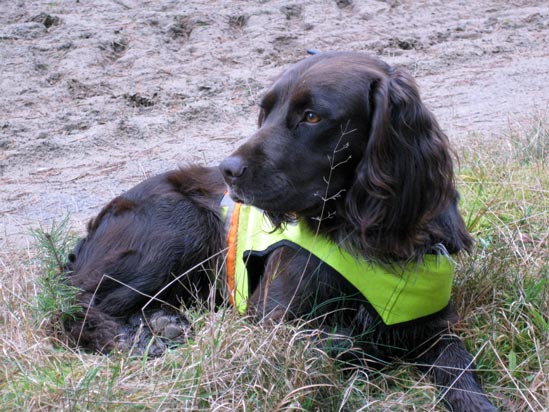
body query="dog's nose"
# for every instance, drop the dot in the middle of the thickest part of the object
(232, 168)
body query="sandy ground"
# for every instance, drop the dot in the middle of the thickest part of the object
(96, 95)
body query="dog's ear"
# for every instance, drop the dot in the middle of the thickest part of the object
(405, 177)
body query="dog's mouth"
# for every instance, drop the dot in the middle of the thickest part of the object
(235, 197)
(274, 206)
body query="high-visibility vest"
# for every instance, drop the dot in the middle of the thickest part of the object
(399, 292)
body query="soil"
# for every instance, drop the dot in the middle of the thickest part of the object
(97, 95)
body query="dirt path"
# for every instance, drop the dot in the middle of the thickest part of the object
(96, 95)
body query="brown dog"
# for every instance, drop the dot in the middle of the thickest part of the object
(346, 147)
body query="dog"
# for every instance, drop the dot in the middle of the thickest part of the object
(345, 153)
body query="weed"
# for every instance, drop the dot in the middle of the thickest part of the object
(56, 299)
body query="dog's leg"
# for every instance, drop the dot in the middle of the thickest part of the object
(452, 370)
(93, 330)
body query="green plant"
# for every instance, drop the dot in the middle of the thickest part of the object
(56, 298)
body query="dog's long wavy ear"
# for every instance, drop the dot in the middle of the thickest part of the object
(405, 178)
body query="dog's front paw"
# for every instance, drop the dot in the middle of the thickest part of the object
(154, 332)
(171, 327)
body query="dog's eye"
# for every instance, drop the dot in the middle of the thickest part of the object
(311, 117)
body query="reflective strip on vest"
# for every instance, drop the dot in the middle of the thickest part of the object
(398, 292)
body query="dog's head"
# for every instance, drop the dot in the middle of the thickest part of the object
(345, 138)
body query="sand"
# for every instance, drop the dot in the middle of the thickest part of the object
(97, 95)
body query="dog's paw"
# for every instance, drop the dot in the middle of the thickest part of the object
(154, 332)
(172, 327)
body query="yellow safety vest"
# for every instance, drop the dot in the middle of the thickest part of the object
(398, 292)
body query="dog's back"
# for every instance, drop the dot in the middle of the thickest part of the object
(155, 243)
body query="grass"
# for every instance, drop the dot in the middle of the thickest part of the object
(503, 290)
(501, 293)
